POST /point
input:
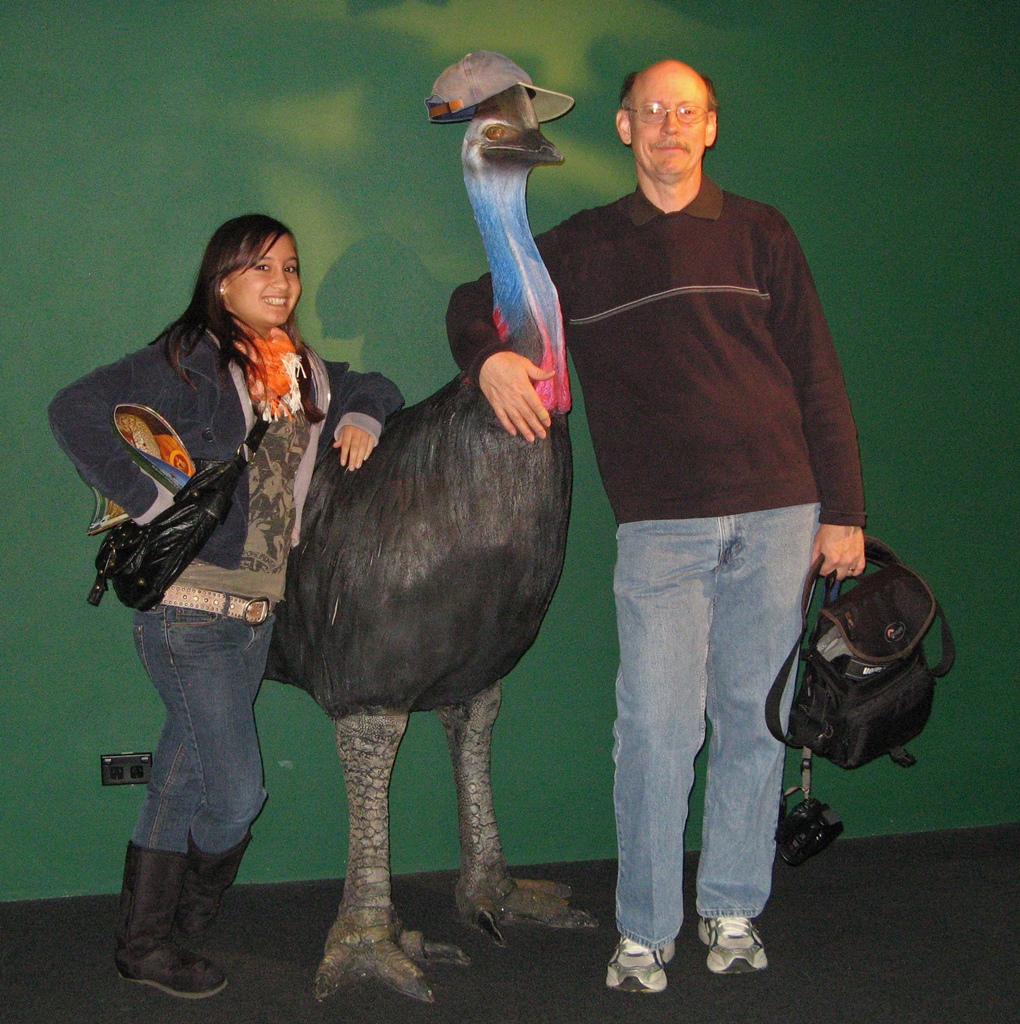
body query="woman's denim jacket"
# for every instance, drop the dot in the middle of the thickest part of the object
(212, 416)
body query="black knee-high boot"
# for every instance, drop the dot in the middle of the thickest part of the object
(209, 875)
(148, 904)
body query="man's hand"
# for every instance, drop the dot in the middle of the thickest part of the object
(506, 381)
(355, 446)
(843, 549)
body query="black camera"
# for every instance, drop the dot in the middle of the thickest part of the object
(806, 830)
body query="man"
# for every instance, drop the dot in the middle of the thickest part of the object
(728, 451)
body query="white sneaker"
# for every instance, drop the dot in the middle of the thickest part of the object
(734, 945)
(636, 968)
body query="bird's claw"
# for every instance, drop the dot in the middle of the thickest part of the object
(544, 902)
(544, 887)
(524, 900)
(371, 943)
(382, 960)
(419, 949)
(486, 921)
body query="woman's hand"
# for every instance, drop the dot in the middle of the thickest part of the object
(355, 446)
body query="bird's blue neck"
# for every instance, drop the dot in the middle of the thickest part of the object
(526, 306)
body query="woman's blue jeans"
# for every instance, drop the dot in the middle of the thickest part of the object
(707, 610)
(207, 770)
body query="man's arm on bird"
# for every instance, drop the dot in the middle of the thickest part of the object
(506, 378)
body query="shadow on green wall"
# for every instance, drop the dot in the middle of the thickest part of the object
(380, 291)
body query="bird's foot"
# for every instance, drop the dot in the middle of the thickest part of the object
(521, 900)
(546, 902)
(372, 943)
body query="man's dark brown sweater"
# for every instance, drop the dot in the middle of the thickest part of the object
(710, 380)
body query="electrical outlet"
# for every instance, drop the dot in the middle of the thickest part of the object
(125, 769)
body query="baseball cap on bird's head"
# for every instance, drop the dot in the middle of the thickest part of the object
(480, 76)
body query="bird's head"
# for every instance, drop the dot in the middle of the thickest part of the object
(504, 130)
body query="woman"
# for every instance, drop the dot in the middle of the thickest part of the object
(233, 355)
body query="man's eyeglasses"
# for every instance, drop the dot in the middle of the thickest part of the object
(656, 113)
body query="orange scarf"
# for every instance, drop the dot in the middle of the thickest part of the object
(273, 380)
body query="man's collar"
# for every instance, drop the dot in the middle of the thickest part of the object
(707, 204)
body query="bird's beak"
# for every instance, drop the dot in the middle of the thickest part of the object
(529, 145)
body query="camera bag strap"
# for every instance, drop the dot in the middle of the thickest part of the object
(775, 698)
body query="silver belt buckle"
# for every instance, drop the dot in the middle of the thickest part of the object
(256, 612)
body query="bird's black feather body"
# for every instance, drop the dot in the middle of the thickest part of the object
(423, 577)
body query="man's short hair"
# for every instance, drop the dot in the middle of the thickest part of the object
(628, 85)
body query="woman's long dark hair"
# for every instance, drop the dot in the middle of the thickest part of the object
(235, 246)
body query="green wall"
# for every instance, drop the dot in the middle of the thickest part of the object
(886, 132)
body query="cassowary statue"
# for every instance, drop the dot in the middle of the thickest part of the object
(423, 578)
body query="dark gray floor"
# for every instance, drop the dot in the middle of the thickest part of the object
(904, 929)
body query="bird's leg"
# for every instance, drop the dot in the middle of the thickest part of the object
(485, 882)
(487, 894)
(367, 939)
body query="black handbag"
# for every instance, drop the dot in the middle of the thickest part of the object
(143, 561)
(867, 687)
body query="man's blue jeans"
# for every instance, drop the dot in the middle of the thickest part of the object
(707, 610)
(207, 770)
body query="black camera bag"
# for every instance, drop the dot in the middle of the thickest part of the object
(143, 561)
(867, 687)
